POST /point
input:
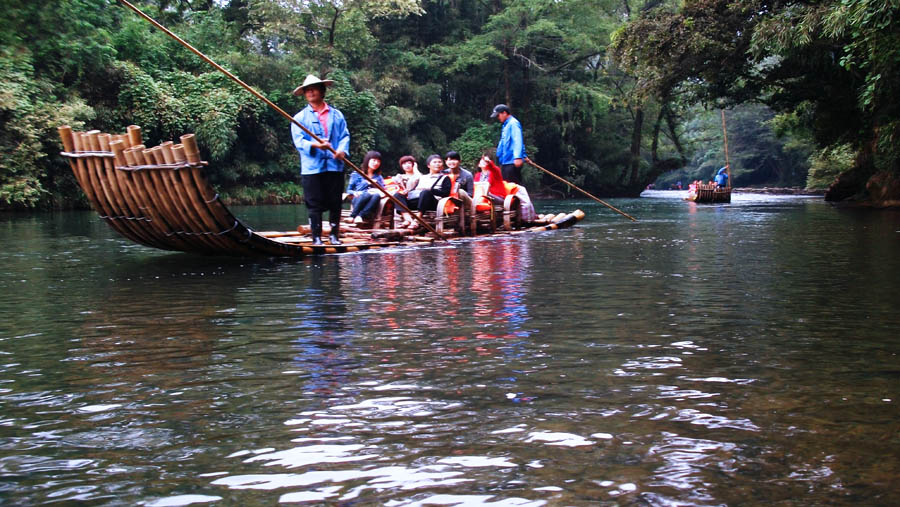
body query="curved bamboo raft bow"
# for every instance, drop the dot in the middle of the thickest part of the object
(159, 197)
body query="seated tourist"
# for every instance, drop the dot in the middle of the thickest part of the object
(462, 178)
(490, 173)
(366, 196)
(406, 180)
(430, 187)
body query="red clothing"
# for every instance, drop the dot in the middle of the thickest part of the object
(497, 186)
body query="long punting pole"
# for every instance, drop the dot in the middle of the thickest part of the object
(725, 136)
(281, 112)
(585, 192)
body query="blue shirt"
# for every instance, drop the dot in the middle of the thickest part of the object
(722, 177)
(512, 144)
(314, 160)
(358, 185)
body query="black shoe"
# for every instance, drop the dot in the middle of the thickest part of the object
(333, 238)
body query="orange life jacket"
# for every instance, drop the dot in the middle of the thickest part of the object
(450, 207)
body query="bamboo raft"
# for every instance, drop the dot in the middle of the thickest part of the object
(709, 193)
(159, 197)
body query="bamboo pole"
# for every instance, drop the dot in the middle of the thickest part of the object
(585, 192)
(166, 150)
(134, 135)
(725, 136)
(191, 150)
(280, 111)
(107, 169)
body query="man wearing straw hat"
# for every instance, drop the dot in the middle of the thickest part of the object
(321, 171)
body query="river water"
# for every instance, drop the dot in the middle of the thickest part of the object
(706, 355)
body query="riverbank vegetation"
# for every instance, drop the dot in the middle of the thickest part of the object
(613, 94)
(829, 69)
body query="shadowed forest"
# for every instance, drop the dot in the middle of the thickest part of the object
(613, 95)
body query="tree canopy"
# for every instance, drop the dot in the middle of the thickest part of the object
(611, 93)
(830, 68)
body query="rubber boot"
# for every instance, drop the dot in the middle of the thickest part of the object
(315, 228)
(334, 236)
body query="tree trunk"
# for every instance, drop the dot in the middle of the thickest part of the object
(671, 123)
(636, 136)
(654, 147)
(506, 79)
(334, 20)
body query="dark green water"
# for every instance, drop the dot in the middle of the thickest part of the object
(736, 354)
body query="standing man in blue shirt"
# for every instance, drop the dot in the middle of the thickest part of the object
(511, 148)
(722, 177)
(321, 171)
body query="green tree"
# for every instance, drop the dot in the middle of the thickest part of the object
(837, 59)
(761, 151)
(29, 115)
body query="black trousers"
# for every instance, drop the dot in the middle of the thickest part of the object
(428, 201)
(511, 173)
(409, 203)
(322, 192)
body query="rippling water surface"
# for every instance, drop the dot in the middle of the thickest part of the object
(706, 355)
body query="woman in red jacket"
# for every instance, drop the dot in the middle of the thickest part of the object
(490, 172)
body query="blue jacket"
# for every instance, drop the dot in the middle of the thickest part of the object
(313, 160)
(722, 177)
(358, 185)
(512, 144)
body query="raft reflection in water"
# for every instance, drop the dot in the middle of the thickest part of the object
(377, 429)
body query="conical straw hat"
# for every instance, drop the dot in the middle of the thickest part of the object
(311, 80)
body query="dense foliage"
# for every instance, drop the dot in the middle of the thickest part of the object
(421, 76)
(758, 156)
(830, 68)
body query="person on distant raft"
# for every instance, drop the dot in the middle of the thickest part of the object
(321, 171)
(722, 177)
(511, 148)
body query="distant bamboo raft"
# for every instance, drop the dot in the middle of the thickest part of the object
(159, 197)
(709, 192)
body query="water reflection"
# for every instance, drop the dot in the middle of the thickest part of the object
(427, 315)
(499, 276)
(705, 355)
(320, 318)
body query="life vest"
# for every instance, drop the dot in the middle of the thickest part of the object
(450, 207)
(482, 188)
(454, 190)
(391, 186)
